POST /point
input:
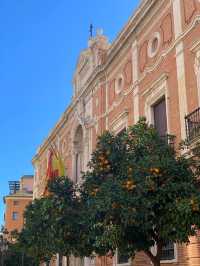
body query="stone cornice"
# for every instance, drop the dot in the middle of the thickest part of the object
(53, 133)
(18, 197)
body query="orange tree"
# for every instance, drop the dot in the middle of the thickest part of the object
(34, 239)
(139, 193)
(54, 224)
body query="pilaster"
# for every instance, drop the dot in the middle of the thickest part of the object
(180, 65)
(135, 74)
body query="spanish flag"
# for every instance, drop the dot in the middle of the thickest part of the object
(55, 167)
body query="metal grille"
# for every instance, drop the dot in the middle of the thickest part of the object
(170, 139)
(122, 259)
(168, 252)
(14, 186)
(192, 122)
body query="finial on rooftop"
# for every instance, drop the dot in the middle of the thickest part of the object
(91, 30)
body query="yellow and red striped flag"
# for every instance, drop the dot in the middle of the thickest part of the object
(55, 167)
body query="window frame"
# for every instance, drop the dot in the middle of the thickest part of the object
(115, 261)
(15, 218)
(154, 94)
(154, 250)
(175, 256)
(153, 107)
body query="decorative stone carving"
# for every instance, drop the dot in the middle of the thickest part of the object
(143, 56)
(84, 69)
(100, 57)
(154, 45)
(189, 9)
(89, 60)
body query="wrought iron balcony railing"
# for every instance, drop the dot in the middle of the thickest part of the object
(169, 139)
(192, 122)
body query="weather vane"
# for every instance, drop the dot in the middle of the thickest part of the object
(91, 30)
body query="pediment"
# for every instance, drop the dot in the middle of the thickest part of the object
(83, 60)
(88, 60)
(83, 70)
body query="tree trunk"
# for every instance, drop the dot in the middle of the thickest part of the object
(22, 258)
(68, 262)
(154, 259)
(60, 259)
(156, 263)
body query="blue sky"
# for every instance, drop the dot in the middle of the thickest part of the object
(39, 45)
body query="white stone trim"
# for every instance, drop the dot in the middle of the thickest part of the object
(156, 36)
(135, 73)
(196, 46)
(135, 67)
(182, 95)
(196, 50)
(175, 256)
(136, 104)
(120, 122)
(180, 65)
(177, 18)
(157, 91)
(118, 89)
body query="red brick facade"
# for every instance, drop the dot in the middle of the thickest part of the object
(156, 55)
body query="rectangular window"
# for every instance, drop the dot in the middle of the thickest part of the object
(15, 216)
(160, 117)
(168, 252)
(122, 259)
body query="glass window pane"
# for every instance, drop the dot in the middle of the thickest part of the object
(122, 259)
(15, 215)
(160, 117)
(168, 252)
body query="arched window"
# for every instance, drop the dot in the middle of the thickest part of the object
(78, 153)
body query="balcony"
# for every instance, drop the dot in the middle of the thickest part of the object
(192, 122)
(169, 139)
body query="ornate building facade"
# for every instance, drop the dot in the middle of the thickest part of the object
(152, 69)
